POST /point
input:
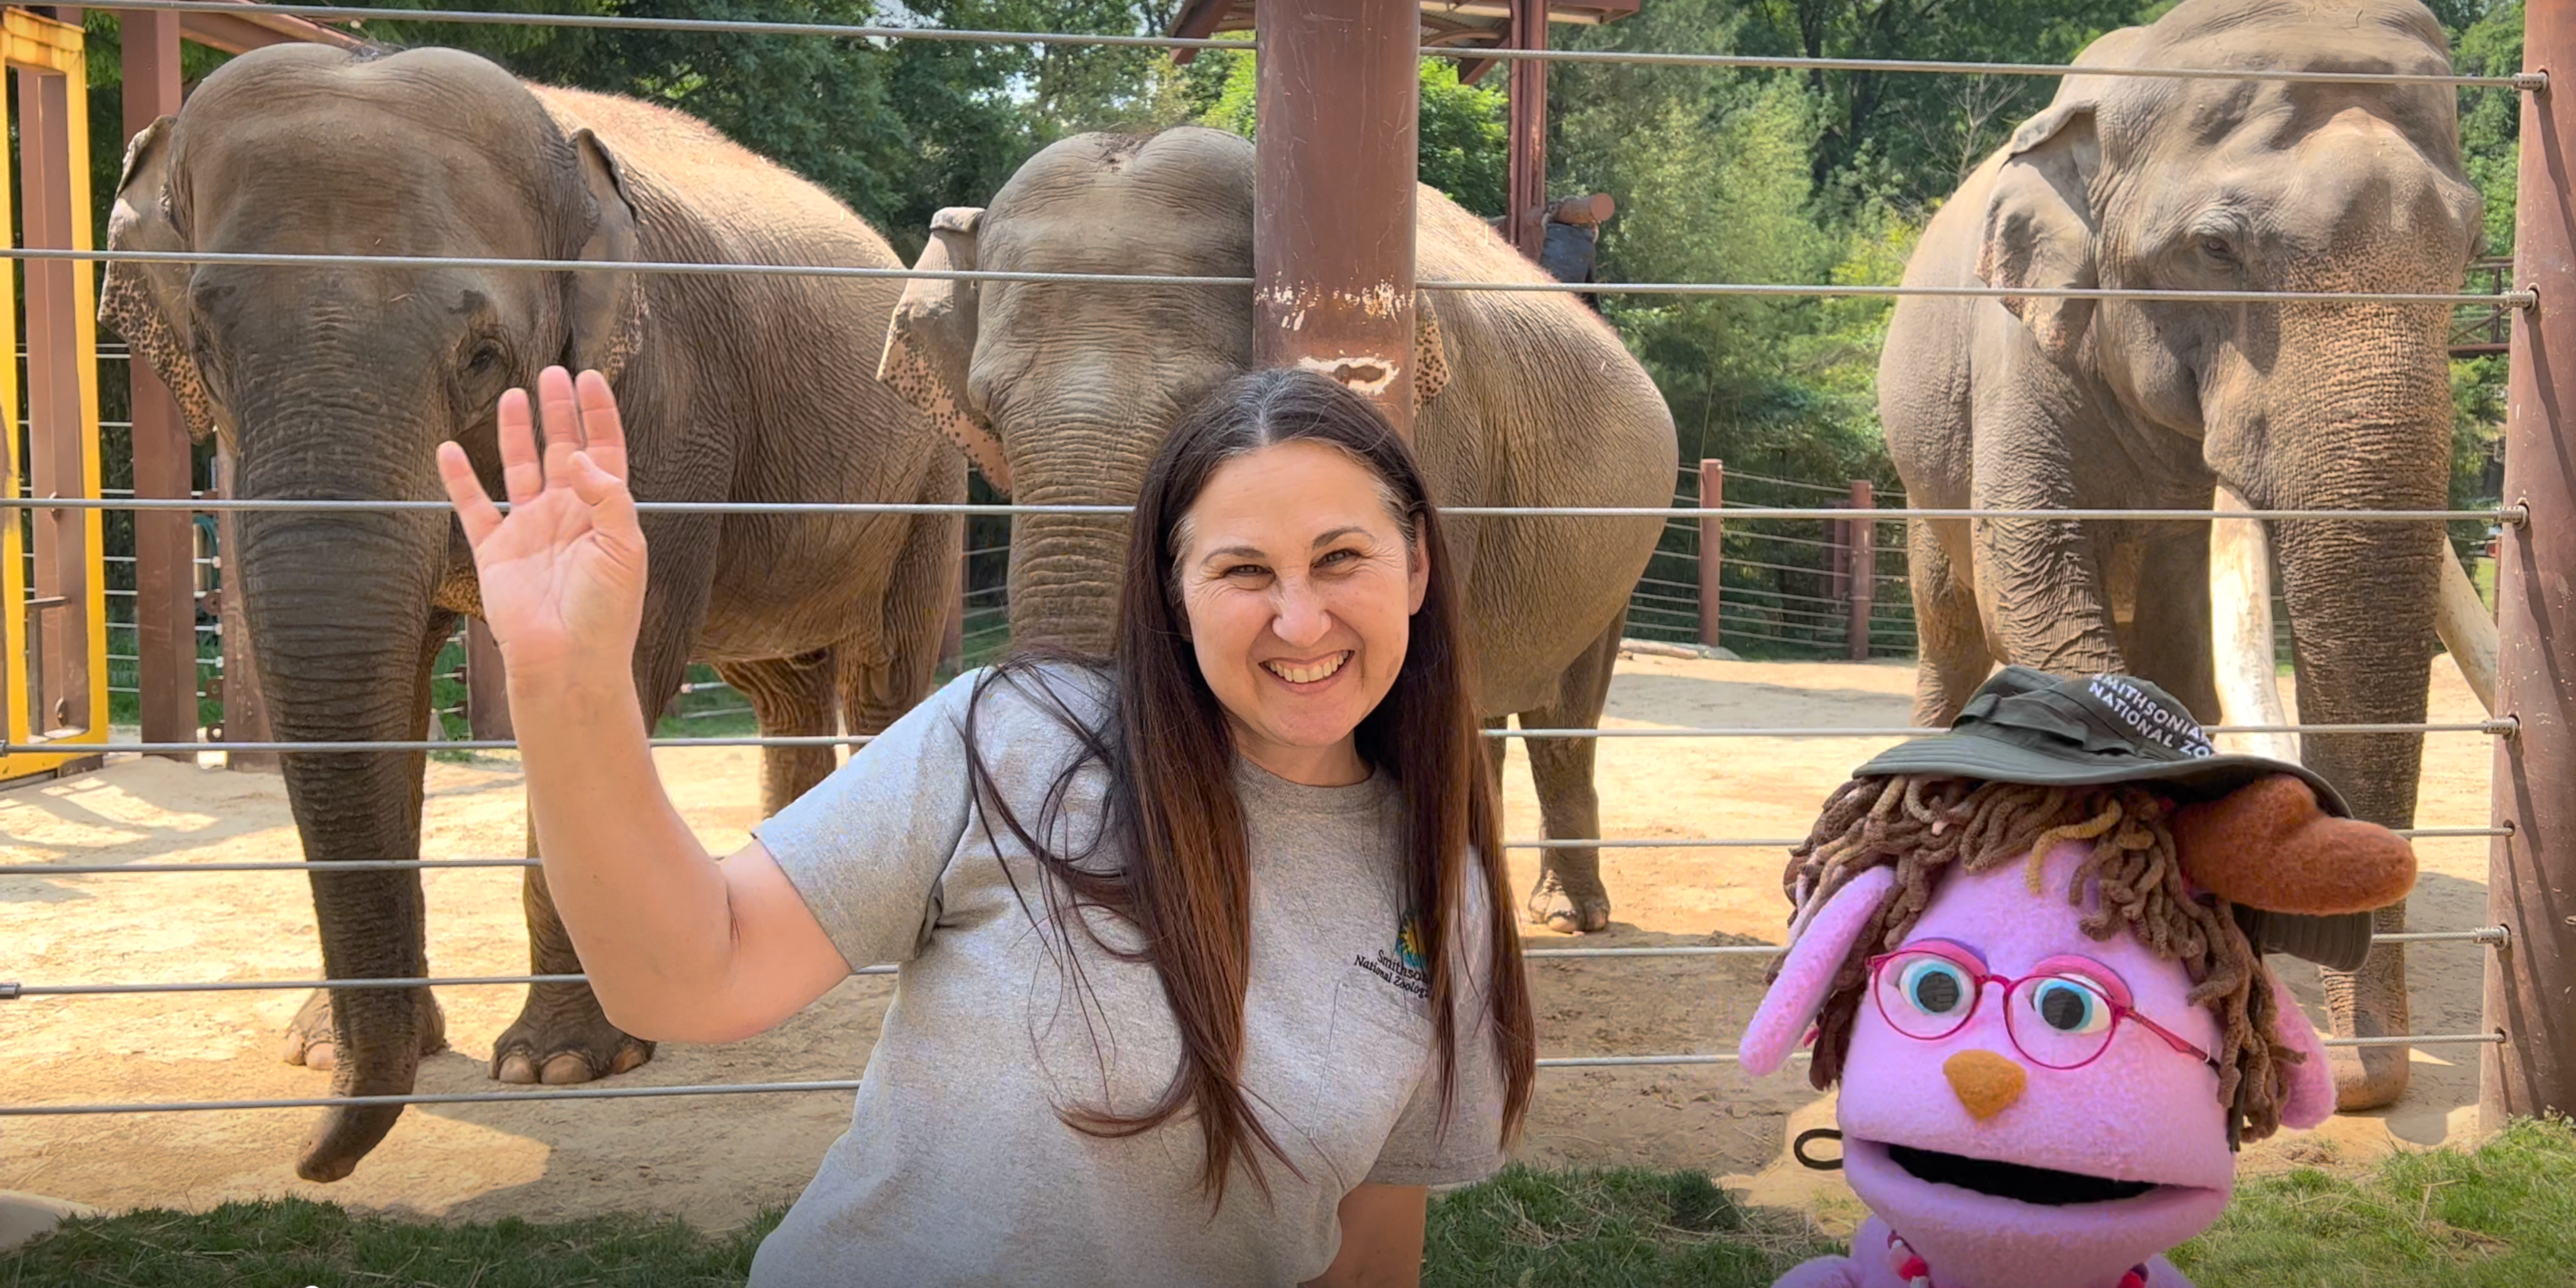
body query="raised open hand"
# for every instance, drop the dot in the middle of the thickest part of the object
(563, 572)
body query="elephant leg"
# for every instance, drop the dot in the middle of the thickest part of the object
(877, 690)
(2167, 639)
(1569, 896)
(791, 697)
(2370, 1003)
(1951, 640)
(561, 1035)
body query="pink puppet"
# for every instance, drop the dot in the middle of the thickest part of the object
(2030, 951)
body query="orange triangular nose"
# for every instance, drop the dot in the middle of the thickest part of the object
(1986, 1083)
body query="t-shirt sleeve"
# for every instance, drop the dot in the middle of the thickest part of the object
(1421, 1151)
(866, 847)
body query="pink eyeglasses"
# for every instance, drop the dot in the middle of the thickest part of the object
(2062, 1017)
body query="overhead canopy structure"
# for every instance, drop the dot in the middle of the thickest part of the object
(1468, 26)
(237, 33)
(1478, 24)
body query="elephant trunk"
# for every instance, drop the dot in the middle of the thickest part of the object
(339, 607)
(1066, 568)
(2362, 596)
(2362, 599)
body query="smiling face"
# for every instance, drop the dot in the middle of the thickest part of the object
(1300, 585)
(1983, 1153)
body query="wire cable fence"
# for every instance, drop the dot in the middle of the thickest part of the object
(1780, 583)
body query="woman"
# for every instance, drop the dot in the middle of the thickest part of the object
(1207, 968)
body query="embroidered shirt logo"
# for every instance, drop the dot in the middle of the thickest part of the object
(1407, 966)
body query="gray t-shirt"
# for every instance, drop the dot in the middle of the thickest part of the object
(957, 1169)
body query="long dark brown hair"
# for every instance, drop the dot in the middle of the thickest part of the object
(1180, 873)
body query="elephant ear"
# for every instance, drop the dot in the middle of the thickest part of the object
(2039, 229)
(1430, 354)
(147, 302)
(930, 343)
(606, 308)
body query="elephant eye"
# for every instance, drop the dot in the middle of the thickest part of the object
(485, 357)
(2218, 249)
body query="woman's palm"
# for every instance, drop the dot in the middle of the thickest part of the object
(562, 574)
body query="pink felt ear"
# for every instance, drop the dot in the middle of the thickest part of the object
(2310, 1098)
(1814, 955)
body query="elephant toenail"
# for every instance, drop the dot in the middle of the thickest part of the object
(629, 1060)
(517, 1069)
(567, 1068)
(322, 1057)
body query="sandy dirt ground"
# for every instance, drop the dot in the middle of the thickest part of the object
(717, 1160)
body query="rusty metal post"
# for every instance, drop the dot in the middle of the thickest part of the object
(487, 685)
(1336, 96)
(1861, 541)
(165, 602)
(2531, 874)
(1525, 211)
(1712, 549)
(245, 708)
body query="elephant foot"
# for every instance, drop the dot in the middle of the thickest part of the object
(2369, 1003)
(1555, 904)
(310, 1042)
(561, 1038)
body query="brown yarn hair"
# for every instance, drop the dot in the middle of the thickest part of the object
(1923, 827)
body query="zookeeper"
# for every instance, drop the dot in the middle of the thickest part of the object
(1206, 968)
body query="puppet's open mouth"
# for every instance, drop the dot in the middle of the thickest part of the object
(2013, 1181)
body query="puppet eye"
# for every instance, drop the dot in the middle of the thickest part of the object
(2069, 1005)
(1935, 986)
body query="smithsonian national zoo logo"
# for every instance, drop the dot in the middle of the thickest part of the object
(1406, 966)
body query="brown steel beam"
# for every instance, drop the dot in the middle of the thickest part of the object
(165, 598)
(1197, 21)
(1336, 96)
(2531, 873)
(243, 32)
(1525, 202)
(55, 423)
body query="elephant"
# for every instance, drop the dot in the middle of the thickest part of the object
(1060, 393)
(2052, 402)
(340, 381)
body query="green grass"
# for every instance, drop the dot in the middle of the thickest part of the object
(2503, 1215)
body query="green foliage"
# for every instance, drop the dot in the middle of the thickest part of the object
(1907, 135)
(1713, 178)
(1460, 147)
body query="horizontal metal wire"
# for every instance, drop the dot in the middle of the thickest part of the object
(2529, 81)
(2500, 727)
(1785, 290)
(2503, 727)
(418, 865)
(10, 990)
(535, 1095)
(2513, 514)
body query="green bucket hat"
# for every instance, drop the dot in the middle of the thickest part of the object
(2027, 726)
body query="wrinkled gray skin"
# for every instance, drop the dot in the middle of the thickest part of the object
(1062, 394)
(340, 382)
(2202, 184)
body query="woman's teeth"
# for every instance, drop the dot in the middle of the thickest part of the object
(1308, 674)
